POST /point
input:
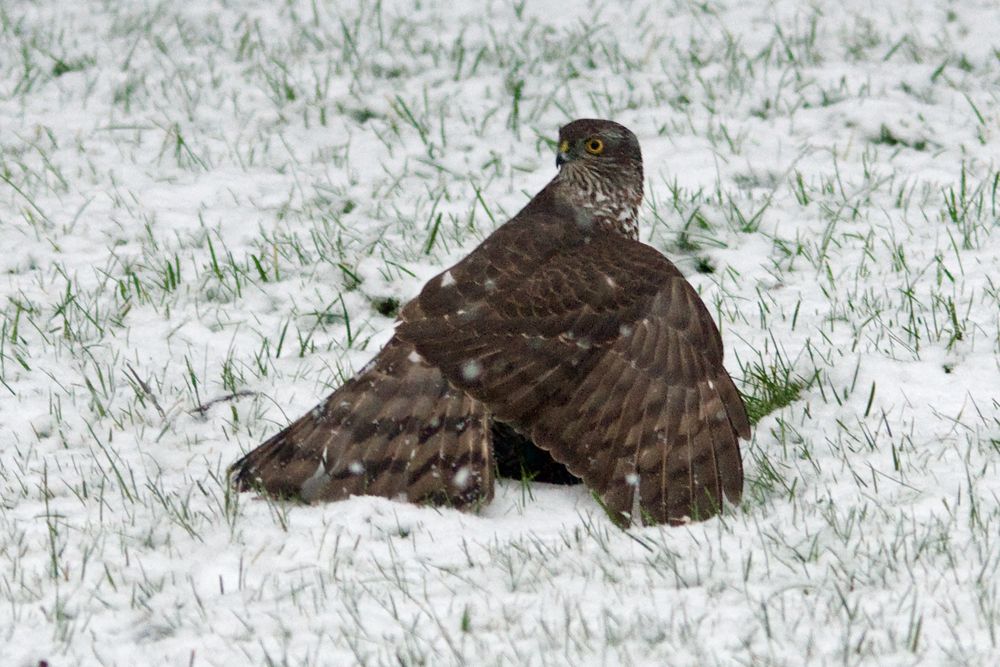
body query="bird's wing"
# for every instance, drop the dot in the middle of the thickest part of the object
(604, 355)
(397, 430)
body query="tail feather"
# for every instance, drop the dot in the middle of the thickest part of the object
(396, 430)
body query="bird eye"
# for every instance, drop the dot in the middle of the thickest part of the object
(594, 146)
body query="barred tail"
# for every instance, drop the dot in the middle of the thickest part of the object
(395, 430)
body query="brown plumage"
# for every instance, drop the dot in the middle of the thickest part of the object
(562, 326)
(396, 429)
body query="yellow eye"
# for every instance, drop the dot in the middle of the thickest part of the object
(564, 147)
(594, 146)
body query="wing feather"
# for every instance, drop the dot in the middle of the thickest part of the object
(397, 430)
(606, 357)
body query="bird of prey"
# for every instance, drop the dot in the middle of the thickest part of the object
(561, 327)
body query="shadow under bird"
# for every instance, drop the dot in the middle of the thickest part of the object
(561, 329)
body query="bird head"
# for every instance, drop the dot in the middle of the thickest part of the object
(597, 144)
(600, 172)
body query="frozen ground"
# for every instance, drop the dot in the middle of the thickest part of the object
(206, 199)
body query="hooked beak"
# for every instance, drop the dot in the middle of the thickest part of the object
(562, 157)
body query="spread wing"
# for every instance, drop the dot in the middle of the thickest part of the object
(397, 430)
(603, 354)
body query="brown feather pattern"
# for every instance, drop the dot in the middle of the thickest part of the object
(560, 325)
(396, 430)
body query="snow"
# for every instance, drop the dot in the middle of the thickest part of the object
(462, 476)
(471, 370)
(204, 201)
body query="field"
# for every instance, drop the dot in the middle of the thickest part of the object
(211, 212)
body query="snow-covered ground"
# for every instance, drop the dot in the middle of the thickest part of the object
(202, 199)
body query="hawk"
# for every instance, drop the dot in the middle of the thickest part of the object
(561, 327)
